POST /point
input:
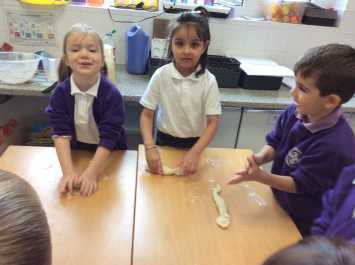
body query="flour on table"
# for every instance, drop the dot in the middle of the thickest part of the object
(223, 220)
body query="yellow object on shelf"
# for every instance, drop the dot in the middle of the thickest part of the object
(289, 11)
(151, 5)
(46, 2)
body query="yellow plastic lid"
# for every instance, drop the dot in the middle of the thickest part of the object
(45, 2)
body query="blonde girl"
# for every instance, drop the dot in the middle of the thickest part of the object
(86, 110)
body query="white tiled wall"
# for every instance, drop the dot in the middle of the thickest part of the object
(351, 5)
(3, 31)
(282, 42)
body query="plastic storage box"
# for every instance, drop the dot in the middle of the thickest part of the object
(225, 69)
(314, 15)
(285, 11)
(155, 63)
(257, 82)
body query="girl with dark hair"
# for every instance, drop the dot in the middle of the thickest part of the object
(185, 94)
(86, 110)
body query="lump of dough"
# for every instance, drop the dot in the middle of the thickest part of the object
(167, 171)
(223, 220)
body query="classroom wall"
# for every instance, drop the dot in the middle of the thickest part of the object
(282, 42)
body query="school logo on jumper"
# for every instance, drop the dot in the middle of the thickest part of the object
(293, 157)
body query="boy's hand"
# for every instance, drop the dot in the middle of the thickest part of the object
(154, 161)
(88, 183)
(68, 183)
(251, 172)
(189, 163)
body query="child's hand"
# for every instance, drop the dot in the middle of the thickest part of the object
(88, 181)
(251, 172)
(189, 163)
(68, 183)
(154, 161)
(258, 157)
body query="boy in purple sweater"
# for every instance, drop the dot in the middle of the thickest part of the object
(338, 215)
(311, 142)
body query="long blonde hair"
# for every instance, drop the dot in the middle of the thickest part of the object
(24, 231)
(65, 71)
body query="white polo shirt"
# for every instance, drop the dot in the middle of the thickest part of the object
(85, 125)
(183, 102)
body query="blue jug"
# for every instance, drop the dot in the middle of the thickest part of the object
(137, 50)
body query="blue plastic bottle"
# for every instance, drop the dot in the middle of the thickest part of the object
(78, 2)
(137, 50)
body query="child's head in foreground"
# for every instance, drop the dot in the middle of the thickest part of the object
(315, 250)
(331, 68)
(24, 231)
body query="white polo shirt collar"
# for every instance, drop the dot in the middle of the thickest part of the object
(176, 74)
(93, 90)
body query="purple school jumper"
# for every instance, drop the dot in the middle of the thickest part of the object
(338, 215)
(314, 159)
(108, 111)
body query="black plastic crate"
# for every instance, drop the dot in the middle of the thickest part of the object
(155, 63)
(257, 82)
(315, 15)
(226, 70)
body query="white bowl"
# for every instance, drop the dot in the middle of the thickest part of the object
(18, 67)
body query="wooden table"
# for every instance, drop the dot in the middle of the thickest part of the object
(175, 216)
(94, 230)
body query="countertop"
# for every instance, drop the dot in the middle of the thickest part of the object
(132, 88)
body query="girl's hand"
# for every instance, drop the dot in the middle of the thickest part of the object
(88, 183)
(251, 172)
(68, 183)
(154, 161)
(258, 157)
(189, 162)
